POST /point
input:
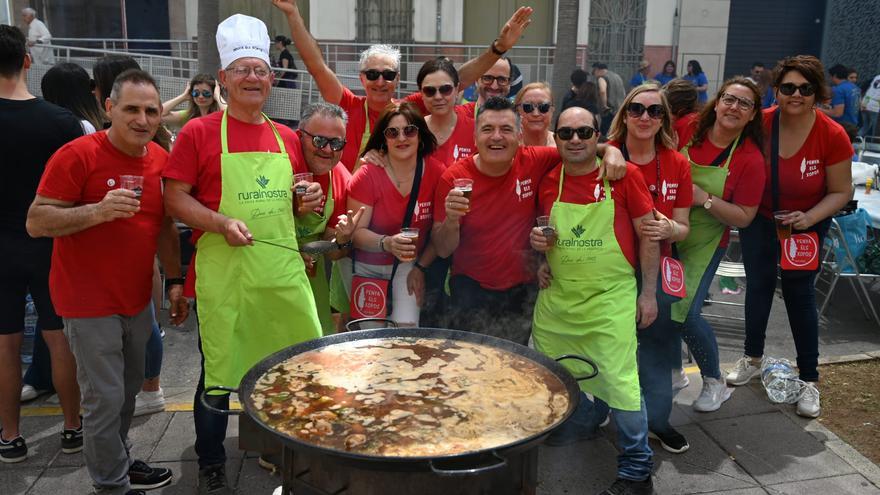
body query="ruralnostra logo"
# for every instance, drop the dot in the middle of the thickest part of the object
(578, 231)
(262, 181)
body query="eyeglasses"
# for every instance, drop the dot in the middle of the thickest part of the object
(488, 80)
(743, 104)
(336, 143)
(242, 72)
(531, 107)
(444, 89)
(204, 93)
(373, 74)
(805, 89)
(566, 133)
(636, 110)
(408, 131)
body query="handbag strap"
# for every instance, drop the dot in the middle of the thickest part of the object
(774, 161)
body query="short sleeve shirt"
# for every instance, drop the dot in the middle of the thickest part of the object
(699, 80)
(848, 95)
(341, 178)
(461, 144)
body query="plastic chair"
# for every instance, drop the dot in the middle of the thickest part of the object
(730, 266)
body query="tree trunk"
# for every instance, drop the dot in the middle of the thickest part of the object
(566, 48)
(209, 18)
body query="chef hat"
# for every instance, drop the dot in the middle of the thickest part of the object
(242, 36)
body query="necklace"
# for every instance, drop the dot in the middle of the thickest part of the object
(443, 134)
(393, 176)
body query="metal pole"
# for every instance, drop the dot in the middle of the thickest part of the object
(124, 24)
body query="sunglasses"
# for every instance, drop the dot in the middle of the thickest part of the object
(488, 80)
(636, 110)
(444, 89)
(336, 143)
(530, 107)
(805, 89)
(743, 104)
(204, 93)
(408, 131)
(585, 132)
(373, 74)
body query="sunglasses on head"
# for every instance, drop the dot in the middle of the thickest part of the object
(566, 133)
(408, 131)
(530, 107)
(204, 93)
(488, 80)
(805, 89)
(336, 143)
(636, 110)
(373, 74)
(444, 89)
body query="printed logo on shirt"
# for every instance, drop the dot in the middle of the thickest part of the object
(523, 189)
(461, 152)
(669, 191)
(599, 193)
(809, 168)
(423, 211)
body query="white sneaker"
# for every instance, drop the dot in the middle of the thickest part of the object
(149, 402)
(714, 393)
(808, 403)
(680, 379)
(743, 371)
(28, 392)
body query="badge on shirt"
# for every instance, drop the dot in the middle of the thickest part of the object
(800, 252)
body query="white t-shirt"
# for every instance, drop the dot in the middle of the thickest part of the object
(871, 100)
(39, 34)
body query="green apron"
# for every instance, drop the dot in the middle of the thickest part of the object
(253, 300)
(365, 137)
(590, 306)
(310, 228)
(697, 249)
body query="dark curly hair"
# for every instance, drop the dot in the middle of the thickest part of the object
(808, 66)
(754, 130)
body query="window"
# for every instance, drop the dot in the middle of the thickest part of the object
(385, 21)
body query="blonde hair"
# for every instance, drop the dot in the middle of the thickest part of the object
(530, 86)
(665, 135)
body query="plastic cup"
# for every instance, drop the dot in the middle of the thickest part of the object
(300, 184)
(413, 234)
(548, 230)
(132, 183)
(782, 231)
(465, 185)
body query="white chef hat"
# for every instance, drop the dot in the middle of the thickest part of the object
(242, 36)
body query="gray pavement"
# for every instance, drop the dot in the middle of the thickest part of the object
(748, 447)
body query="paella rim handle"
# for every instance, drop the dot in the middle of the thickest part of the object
(349, 327)
(584, 360)
(501, 462)
(209, 407)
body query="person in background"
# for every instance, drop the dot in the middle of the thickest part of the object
(812, 177)
(696, 75)
(667, 74)
(870, 108)
(611, 94)
(756, 72)
(852, 76)
(534, 102)
(68, 85)
(37, 34)
(285, 61)
(765, 84)
(845, 97)
(583, 93)
(643, 74)
(203, 95)
(683, 105)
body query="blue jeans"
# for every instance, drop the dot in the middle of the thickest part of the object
(760, 255)
(869, 124)
(659, 353)
(698, 334)
(154, 349)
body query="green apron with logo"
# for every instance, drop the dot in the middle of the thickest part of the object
(590, 307)
(310, 228)
(253, 300)
(706, 231)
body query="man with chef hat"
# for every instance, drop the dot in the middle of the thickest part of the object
(230, 177)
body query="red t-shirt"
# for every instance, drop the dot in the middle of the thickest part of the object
(683, 127)
(357, 123)
(802, 181)
(106, 269)
(745, 175)
(341, 178)
(461, 143)
(493, 244)
(371, 186)
(630, 195)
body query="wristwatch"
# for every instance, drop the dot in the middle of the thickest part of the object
(708, 204)
(495, 49)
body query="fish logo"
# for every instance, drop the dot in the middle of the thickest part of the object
(262, 181)
(362, 298)
(416, 210)
(668, 272)
(596, 192)
(518, 189)
(663, 189)
(792, 249)
(803, 167)
(455, 153)
(578, 231)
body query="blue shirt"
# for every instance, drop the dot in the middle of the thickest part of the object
(662, 78)
(769, 98)
(699, 80)
(848, 95)
(638, 80)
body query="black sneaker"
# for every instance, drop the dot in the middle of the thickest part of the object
(14, 450)
(72, 439)
(143, 477)
(630, 487)
(212, 481)
(671, 440)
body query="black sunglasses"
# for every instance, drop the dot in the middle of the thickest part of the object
(205, 93)
(805, 89)
(373, 74)
(636, 110)
(566, 133)
(444, 89)
(530, 107)
(408, 131)
(488, 80)
(336, 143)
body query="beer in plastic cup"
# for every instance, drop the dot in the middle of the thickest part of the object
(133, 183)
(300, 184)
(782, 231)
(413, 234)
(465, 185)
(548, 230)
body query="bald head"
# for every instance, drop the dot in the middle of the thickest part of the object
(576, 136)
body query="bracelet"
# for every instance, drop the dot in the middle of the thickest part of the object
(420, 267)
(172, 281)
(382, 244)
(495, 49)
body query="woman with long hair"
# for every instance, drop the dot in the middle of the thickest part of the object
(68, 85)
(668, 73)
(285, 61)
(809, 175)
(534, 103)
(727, 169)
(696, 75)
(381, 249)
(642, 130)
(203, 95)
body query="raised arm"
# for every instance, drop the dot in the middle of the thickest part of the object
(507, 38)
(328, 84)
